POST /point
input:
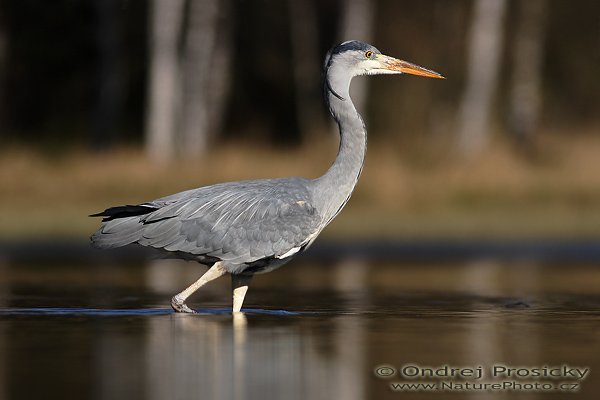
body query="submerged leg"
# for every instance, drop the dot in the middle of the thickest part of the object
(178, 301)
(239, 284)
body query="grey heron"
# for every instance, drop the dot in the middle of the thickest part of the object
(252, 227)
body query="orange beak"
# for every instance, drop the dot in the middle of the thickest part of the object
(398, 66)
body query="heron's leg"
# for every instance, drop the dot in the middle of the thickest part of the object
(178, 301)
(239, 284)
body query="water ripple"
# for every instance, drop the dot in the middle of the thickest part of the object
(133, 311)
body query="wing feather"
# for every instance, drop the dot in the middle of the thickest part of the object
(238, 222)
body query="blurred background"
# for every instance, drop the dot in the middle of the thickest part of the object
(472, 236)
(114, 101)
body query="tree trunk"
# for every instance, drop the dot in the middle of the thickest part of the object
(199, 49)
(485, 49)
(357, 24)
(166, 17)
(525, 88)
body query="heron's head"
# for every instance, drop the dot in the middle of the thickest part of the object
(358, 58)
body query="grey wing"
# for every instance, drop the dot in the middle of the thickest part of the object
(237, 223)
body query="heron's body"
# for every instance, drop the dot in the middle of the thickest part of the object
(250, 227)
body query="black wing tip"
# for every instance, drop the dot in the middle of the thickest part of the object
(124, 211)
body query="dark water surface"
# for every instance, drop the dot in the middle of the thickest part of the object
(310, 331)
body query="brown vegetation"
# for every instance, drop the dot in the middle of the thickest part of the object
(497, 195)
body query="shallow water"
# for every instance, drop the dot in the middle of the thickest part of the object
(310, 331)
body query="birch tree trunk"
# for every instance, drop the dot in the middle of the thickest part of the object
(357, 23)
(166, 17)
(199, 49)
(484, 53)
(525, 88)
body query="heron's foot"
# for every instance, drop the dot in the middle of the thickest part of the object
(179, 306)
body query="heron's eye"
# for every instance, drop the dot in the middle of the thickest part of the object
(369, 54)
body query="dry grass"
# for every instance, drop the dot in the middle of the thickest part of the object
(497, 195)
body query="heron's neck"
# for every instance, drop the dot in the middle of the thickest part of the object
(335, 187)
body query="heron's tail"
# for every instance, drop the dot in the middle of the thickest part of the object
(124, 211)
(121, 226)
